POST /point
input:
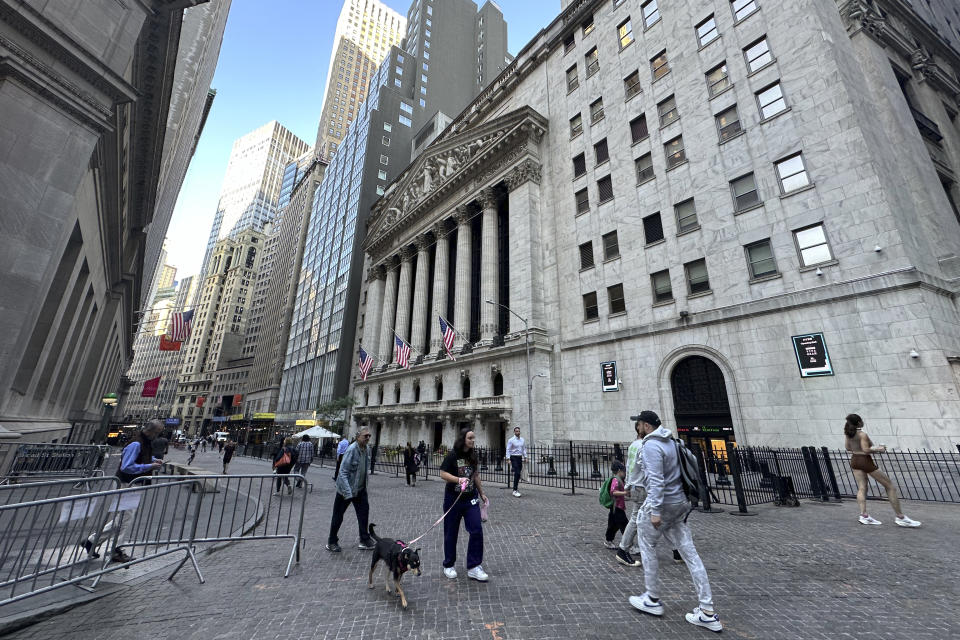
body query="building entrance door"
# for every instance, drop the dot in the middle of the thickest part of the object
(700, 404)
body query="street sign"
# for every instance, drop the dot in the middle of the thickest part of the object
(812, 356)
(172, 421)
(608, 376)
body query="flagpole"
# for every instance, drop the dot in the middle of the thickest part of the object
(462, 337)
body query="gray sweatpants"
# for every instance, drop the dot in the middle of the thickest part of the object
(677, 533)
(628, 539)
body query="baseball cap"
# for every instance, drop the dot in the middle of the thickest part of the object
(647, 416)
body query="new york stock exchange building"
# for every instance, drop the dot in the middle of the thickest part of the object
(688, 208)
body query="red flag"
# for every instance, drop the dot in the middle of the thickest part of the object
(166, 344)
(237, 399)
(200, 401)
(150, 388)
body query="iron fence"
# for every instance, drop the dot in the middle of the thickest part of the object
(50, 460)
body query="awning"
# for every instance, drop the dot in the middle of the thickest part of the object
(316, 432)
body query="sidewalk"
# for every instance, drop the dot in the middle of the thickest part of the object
(811, 572)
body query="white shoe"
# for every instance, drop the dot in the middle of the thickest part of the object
(869, 520)
(609, 545)
(478, 574)
(701, 619)
(905, 521)
(645, 604)
(516, 494)
(450, 572)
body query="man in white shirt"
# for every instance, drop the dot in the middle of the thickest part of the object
(517, 452)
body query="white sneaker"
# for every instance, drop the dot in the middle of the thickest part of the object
(609, 545)
(450, 572)
(701, 619)
(869, 520)
(516, 494)
(905, 521)
(478, 574)
(645, 604)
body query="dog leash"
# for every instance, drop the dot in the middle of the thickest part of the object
(463, 484)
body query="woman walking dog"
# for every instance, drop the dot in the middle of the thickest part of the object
(461, 498)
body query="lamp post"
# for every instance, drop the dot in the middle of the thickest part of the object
(526, 339)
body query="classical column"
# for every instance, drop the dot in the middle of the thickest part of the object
(489, 267)
(418, 324)
(404, 292)
(376, 282)
(441, 261)
(461, 296)
(524, 245)
(389, 311)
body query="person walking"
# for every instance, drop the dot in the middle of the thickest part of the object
(352, 489)
(617, 518)
(220, 446)
(410, 464)
(159, 446)
(517, 453)
(304, 458)
(228, 450)
(861, 461)
(341, 449)
(461, 501)
(283, 461)
(637, 494)
(664, 515)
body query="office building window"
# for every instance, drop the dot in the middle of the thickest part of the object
(605, 189)
(659, 66)
(644, 167)
(406, 108)
(674, 152)
(611, 247)
(615, 301)
(625, 33)
(812, 245)
(770, 101)
(596, 111)
(573, 80)
(582, 201)
(792, 173)
(592, 61)
(707, 31)
(631, 85)
(651, 13)
(384, 160)
(576, 126)
(600, 152)
(387, 126)
(757, 55)
(579, 165)
(652, 228)
(386, 141)
(587, 25)
(744, 190)
(590, 309)
(760, 260)
(718, 80)
(638, 129)
(404, 120)
(660, 284)
(697, 279)
(728, 123)
(667, 111)
(586, 255)
(742, 8)
(569, 43)
(381, 174)
(686, 216)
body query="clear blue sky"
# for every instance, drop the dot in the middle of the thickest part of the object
(273, 66)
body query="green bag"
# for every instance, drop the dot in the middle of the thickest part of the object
(606, 500)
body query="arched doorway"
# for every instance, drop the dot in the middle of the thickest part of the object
(700, 404)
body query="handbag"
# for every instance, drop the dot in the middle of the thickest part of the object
(484, 505)
(284, 459)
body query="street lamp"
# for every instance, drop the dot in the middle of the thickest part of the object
(526, 338)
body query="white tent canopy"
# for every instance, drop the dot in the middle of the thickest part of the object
(316, 432)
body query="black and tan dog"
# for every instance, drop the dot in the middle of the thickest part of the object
(399, 559)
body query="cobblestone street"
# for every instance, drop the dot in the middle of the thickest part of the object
(811, 572)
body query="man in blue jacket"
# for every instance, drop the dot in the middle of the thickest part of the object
(664, 513)
(352, 489)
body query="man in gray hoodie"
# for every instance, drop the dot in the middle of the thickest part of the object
(352, 488)
(664, 514)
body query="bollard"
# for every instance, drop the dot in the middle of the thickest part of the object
(734, 460)
(595, 474)
(830, 474)
(705, 506)
(499, 467)
(483, 460)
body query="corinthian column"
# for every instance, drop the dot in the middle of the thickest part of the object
(418, 324)
(389, 311)
(461, 295)
(441, 262)
(403, 294)
(489, 267)
(376, 281)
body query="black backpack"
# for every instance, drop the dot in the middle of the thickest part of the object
(689, 471)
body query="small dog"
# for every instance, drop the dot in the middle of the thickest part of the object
(399, 558)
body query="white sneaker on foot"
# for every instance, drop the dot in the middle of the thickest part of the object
(516, 494)
(869, 520)
(645, 604)
(701, 619)
(450, 572)
(609, 544)
(478, 574)
(906, 521)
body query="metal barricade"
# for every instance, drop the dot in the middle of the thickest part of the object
(53, 460)
(45, 490)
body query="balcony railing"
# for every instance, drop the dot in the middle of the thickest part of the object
(456, 405)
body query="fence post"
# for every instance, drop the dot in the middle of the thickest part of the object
(705, 505)
(831, 474)
(573, 471)
(817, 487)
(734, 459)
(595, 474)
(552, 471)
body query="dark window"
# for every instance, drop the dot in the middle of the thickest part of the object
(587, 25)
(600, 151)
(717, 79)
(674, 152)
(615, 300)
(576, 126)
(697, 280)
(760, 259)
(583, 201)
(596, 110)
(728, 123)
(611, 247)
(573, 80)
(638, 128)
(659, 66)
(667, 110)
(465, 388)
(590, 310)
(605, 189)
(644, 165)
(631, 85)
(652, 228)
(592, 61)
(579, 165)
(660, 283)
(686, 216)
(569, 43)
(586, 255)
(744, 191)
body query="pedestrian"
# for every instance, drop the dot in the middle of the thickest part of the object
(410, 464)
(422, 448)
(461, 501)
(192, 448)
(220, 446)
(304, 458)
(203, 445)
(341, 449)
(617, 517)
(352, 489)
(136, 460)
(228, 454)
(159, 446)
(283, 461)
(637, 494)
(860, 447)
(517, 453)
(664, 514)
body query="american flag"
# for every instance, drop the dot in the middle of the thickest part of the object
(180, 326)
(366, 362)
(448, 336)
(403, 351)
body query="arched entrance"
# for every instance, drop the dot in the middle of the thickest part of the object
(700, 404)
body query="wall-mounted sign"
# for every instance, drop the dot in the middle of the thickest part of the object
(608, 376)
(306, 423)
(812, 356)
(264, 416)
(218, 419)
(172, 421)
(236, 417)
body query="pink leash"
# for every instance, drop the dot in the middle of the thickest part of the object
(463, 485)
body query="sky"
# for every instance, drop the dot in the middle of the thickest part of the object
(273, 66)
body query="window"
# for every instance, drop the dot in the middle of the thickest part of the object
(615, 301)
(573, 80)
(659, 66)
(386, 141)
(605, 189)
(592, 61)
(644, 166)
(757, 55)
(384, 160)
(576, 126)
(707, 31)
(404, 120)
(631, 84)
(674, 152)
(600, 151)
(770, 101)
(397, 82)
(651, 13)
(579, 165)
(760, 260)
(587, 25)
(569, 43)
(586, 255)
(596, 111)
(660, 283)
(686, 216)
(812, 245)
(638, 129)
(744, 191)
(380, 190)
(717, 80)
(387, 126)
(792, 173)
(582, 200)
(611, 247)
(590, 310)
(697, 280)
(406, 108)
(625, 33)
(742, 8)
(667, 110)
(652, 228)
(381, 174)
(728, 123)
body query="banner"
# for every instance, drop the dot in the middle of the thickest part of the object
(237, 399)
(200, 401)
(150, 388)
(166, 344)
(264, 416)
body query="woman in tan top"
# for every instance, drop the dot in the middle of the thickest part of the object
(860, 447)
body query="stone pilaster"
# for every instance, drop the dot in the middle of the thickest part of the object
(441, 287)
(461, 296)
(489, 267)
(418, 324)
(526, 268)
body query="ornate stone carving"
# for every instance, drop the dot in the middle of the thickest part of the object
(865, 15)
(462, 214)
(921, 61)
(423, 242)
(487, 198)
(377, 272)
(440, 230)
(407, 253)
(526, 170)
